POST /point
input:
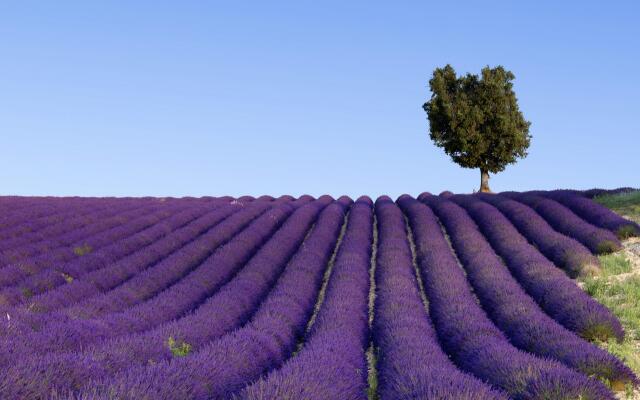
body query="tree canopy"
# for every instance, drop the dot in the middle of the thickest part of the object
(476, 120)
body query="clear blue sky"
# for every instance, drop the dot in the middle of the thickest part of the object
(215, 98)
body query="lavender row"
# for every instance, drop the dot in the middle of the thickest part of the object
(109, 274)
(411, 363)
(595, 213)
(15, 204)
(226, 365)
(567, 253)
(204, 280)
(103, 270)
(56, 232)
(515, 312)
(71, 229)
(554, 291)
(126, 258)
(32, 227)
(19, 221)
(12, 262)
(57, 272)
(74, 228)
(475, 344)
(172, 268)
(23, 236)
(66, 371)
(239, 298)
(599, 241)
(25, 218)
(42, 333)
(83, 318)
(53, 253)
(17, 246)
(332, 362)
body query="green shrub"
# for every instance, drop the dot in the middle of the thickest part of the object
(178, 349)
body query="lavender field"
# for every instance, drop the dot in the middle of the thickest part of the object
(435, 297)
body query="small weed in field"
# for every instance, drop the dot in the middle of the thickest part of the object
(67, 277)
(178, 350)
(82, 250)
(372, 391)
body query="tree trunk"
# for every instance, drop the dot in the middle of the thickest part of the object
(484, 181)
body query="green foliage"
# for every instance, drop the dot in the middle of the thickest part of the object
(477, 120)
(67, 277)
(622, 296)
(372, 377)
(627, 204)
(178, 349)
(26, 292)
(618, 288)
(82, 250)
(615, 264)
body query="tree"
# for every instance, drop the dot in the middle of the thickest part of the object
(477, 120)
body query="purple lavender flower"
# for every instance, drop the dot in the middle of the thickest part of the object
(475, 344)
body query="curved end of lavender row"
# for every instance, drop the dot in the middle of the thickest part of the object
(603, 216)
(366, 200)
(306, 197)
(423, 195)
(345, 201)
(324, 197)
(605, 240)
(594, 321)
(383, 200)
(265, 197)
(571, 255)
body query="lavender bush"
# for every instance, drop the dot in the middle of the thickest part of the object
(596, 214)
(515, 312)
(411, 363)
(556, 294)
(599, 241)
(260, 298)
(475, 344)
(332, 362)
(567, 253)
(225, 365)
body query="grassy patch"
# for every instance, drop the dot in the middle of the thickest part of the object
(622, 297)
(626, 351)
(615, 264)
(625, 203)
(372, 379)
(619, 289)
